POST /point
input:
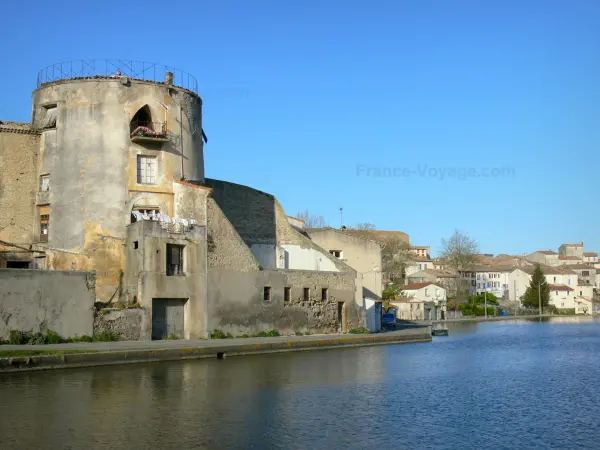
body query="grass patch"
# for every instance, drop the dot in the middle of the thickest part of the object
(106, 336)
(15, 353)
(52, 337)
(361, 330)
(218, 334)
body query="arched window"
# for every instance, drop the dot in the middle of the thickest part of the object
(142, 118)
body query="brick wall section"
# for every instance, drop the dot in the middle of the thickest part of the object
(19, 149)
(225, 247)
(251, 212)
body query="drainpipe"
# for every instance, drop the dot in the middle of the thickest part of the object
(181, 138)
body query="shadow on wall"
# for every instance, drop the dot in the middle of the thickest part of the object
(251, 212)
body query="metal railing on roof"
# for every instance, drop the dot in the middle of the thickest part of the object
(138, 70)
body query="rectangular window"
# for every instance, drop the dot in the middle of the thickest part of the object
(585, 273)
(306, 294)
(174, 260)
(426, 292)
(336, 253)
(287, 294)
(135, 245)
(324, 294)
(44, 183)
(146, 169)
(44, 226)
(50, 113)
(267, 294)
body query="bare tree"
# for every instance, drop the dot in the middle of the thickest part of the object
(395, 257)
(311, 220)
(364, 226)
(460, 253)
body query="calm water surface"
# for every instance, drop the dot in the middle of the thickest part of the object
(494, 385)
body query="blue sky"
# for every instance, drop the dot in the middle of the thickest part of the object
(308, 99)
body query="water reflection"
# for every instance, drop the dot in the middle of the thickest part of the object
(519, 383)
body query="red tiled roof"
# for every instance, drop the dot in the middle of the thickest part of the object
(412, 286)
(565, 258)
(559, 287)
(590, 254)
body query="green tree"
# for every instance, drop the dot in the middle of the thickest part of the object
(391, 292)
(481, 299)
(538, 284)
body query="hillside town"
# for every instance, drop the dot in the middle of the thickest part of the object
(109, 225)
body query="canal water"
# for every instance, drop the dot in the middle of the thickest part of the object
(513, 385)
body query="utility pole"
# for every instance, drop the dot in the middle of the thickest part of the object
(540, 296)
(516, 301)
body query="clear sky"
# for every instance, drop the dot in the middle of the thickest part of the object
(310, 100)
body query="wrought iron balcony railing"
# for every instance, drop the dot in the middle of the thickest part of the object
(148, 131)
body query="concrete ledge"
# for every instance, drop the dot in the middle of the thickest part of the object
(220, 349)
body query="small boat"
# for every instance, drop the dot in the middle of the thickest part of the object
(439, 331)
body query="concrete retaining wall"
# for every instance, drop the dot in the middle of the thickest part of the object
(39, 300)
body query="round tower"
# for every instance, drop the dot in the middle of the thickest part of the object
(116, 135)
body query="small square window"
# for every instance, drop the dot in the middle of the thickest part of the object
(174, 260)
(306, 294)
(50, 113)
(44, 183)
(287, 294)
(324, 294)
(44, 226)
(146, 169)
(267, 294)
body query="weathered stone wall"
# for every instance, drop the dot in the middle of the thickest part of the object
(38, 300)
(237, 302)
(126, 323)
(226, 249)
(190, 201)
(251, 212)
(92, 164)
(19, 150)
(363, 255)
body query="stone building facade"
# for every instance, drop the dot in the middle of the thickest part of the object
(109, 177)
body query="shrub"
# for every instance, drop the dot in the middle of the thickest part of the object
(361, 330)
(299, 333)
(244, 336)
(218, 334)
(272, 333)
(52, 337)
(173, 337)
(106, 336)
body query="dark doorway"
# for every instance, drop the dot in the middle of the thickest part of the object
(168, 318)
(18, 264)
(340, 316)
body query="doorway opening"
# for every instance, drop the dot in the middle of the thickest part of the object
(18, 264)
(168, 319)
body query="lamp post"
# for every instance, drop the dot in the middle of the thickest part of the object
(540, 297)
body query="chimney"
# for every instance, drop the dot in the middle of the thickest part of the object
(169, 78)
